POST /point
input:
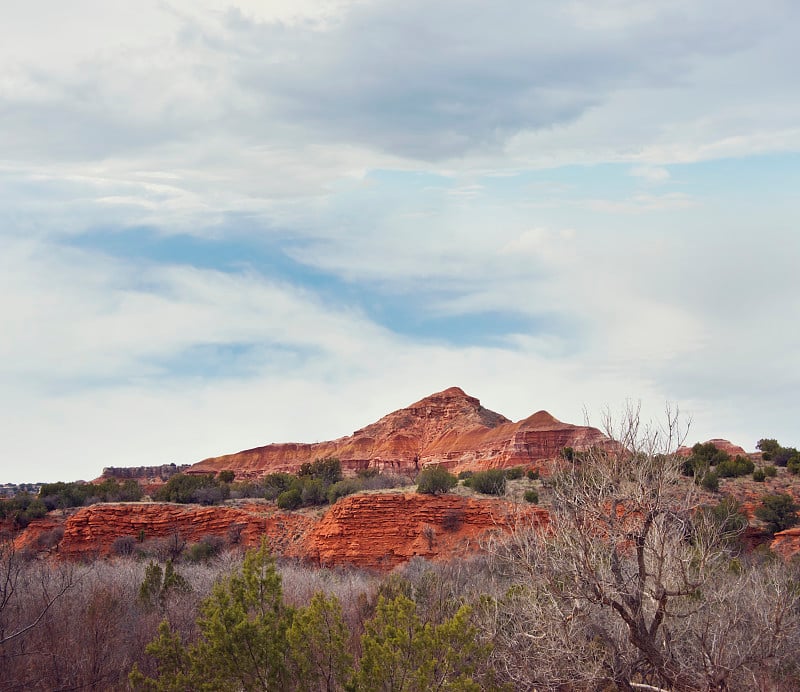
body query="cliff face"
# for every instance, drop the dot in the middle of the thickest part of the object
(383, 531)
(378, 531)
(448, 428)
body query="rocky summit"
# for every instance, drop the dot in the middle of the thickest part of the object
(449, 428)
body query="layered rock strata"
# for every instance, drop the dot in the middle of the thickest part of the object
(449, 428)
(375, 531)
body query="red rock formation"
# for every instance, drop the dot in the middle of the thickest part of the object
(383, 531)
(787, 543)
(448, 428)
(378, 531)
(719, 443)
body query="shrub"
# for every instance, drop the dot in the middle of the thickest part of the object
(710, 482)
(452, 520)
(435, 480)
(768, 448)
(728, 516)
(759, 476)
(329, 470)
(531, 496)
(123, 545)
(779, 511)
(704, 456)
(345, 487)
(384, 480)
(314, 492)
(770, 471)
(463, 475)
(289, 499)
(185, 488)
(226, 476)
(514, 473)
(50, 539)
(276, 483)
(490, 482)
(733, 468)
(533, 475)
(205, 549)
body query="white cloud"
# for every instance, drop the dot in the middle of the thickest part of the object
(309, 121)
(651, 174)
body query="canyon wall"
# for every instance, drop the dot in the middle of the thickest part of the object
(376, 531)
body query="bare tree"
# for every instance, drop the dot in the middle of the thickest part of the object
(18, 575)
(624, 564)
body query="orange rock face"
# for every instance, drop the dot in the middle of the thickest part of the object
(787, 543)
(377, 531)
(448, 428)
(383, 531)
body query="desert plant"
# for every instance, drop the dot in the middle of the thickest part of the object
(123, 545)
(620, 540)
(490, 482)
(778, 511)
(435, 480)
(289, 499)
(452, 519)
(531, 496)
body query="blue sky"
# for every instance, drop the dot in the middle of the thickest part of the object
(225, 224)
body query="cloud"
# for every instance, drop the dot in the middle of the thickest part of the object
(267, 222)
(651, 174)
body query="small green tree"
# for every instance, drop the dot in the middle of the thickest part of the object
(226, 476)
(435, 480)
(779, 511)
(769, 447)
(401, 654)
(242, 642)
(318, 639)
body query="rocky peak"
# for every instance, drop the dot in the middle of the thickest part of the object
(435, 414)
(448, 428)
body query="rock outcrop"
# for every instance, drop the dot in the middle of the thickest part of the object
(448, 428)
(787, 543)
(376, 531)
(719, 443)
(383, 531)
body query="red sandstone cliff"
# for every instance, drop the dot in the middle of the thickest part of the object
(448, 428)
(378, 531)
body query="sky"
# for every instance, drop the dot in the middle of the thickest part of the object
(225, 224)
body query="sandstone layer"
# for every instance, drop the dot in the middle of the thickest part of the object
(376, 531)
(449, 428)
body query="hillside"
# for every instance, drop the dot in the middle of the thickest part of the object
(449, 428)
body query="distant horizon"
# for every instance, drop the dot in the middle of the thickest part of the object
(688, 442)
(231, 222)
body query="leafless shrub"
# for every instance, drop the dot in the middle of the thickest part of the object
(626, 586)
(452, 519)
(50, 539)
(123, 546)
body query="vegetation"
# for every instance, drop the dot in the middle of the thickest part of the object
(24, 507)
(435, 480)
(489, 482)
(637, 582)
(779, 511)
(251, 639)
(202, 488)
